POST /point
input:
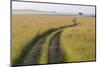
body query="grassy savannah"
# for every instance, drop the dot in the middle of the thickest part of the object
(77, 43)
(26, 27)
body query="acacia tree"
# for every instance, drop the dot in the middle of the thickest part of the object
(80, 13)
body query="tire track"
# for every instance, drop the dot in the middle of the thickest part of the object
(34, 54)
(55, 54)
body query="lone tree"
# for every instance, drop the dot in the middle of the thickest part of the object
(80, 13)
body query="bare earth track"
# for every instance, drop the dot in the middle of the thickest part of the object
(55, 55)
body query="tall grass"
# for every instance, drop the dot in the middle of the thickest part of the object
(26, 27)
(78, 43)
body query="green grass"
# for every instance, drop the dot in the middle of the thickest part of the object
(44, 51)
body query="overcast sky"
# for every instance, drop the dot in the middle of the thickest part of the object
(54, 7)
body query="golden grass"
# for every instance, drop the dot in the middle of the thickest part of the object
(26, 27)
(78, 43)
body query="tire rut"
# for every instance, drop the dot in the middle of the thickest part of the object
(34, 54)
(55, 54)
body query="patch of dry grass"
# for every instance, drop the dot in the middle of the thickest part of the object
(78, 42)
